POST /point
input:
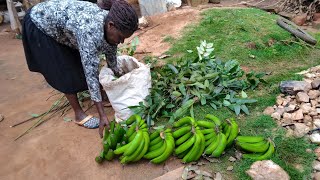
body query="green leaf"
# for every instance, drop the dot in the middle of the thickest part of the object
(213, 106)
(176, 93)
(203, 100)
(245, 109)
(182, 89)
(237, 109)
(246, 101)
(260, 75)
(34, 115)
(227, 96)
(189, 51)
(191, 112)
(174, 69)
(169, 106)
(226, 103)
(206, 83)
(199, 85)
(66, 119)
(243, 94)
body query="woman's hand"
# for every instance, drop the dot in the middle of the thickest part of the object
(104, 123)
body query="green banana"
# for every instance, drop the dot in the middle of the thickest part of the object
(168, 130)
(180, 156)
(207, 131)
(168, 151)
(156, 153)
(185, 145)
(136, 153)
(143, 126)
(209, 136)
(202, 146)
(99, 159)
(140, 121)
(154, 135)
(113, 141)
(156, 141)
(250, 139)
(264, 156)
(227, 131)
(233, 133)
(121, 150)
(183, 138)
(132, 119)
(106, 134)
(208, 142)
(106, 146)
(194, 151)
(145, 148)
(213, 145)
(131, 130)
(134, 144)
(180, 132)
(184, 121)
(109, 156)
(222, 145)
(206, 124)
(259, 147)
(132, 136)
(215, 119)
(156, 146)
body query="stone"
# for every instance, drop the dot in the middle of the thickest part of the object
(316, 165)
(313, 112)
(229, 168)
(318, 110)
(314, 103)
(302, 97)
(276, 115)
(300, 129)
(310, 75)
(232, 159)
(309, 150)
(293, 87)
(268, 111)
(267, 170)
(175, 174)
(305, 107)
(300, 19)
(314, 94)
(279, 100)
(290, 108)
(297, 115)
(307, 119)
(315, 138)
(280, 110)
(317, 152)
(287, 118)
(285, 103)
(289, 133)
(218, 176)
(316, 176)
(318, 100)
(143, 22)
(315, 84)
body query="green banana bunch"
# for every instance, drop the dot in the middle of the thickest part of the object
(161, 146)
(262, 156)
(252, 144)
(112, 137)
(138, 138)
(260, 148)
(231, 130)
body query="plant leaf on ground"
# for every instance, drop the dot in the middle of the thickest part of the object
(237, 34)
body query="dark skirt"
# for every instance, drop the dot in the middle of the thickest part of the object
(59, 64)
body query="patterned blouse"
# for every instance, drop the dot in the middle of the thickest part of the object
(79, 25)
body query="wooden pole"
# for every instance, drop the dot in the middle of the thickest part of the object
(13, 15)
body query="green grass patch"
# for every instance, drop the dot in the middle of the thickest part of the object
(252, 37)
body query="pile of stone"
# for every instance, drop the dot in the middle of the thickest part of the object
(298, 107)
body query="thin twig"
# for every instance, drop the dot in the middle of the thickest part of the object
(41, 119)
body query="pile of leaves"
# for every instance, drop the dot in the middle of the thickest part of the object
(205, 78)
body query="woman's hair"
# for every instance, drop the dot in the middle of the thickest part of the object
(122, 14)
